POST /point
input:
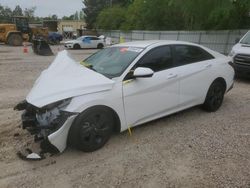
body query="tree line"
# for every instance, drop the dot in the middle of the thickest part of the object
(7, 13)
(167, 14)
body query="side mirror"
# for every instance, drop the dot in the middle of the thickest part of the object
(141, 72)
(237, 40)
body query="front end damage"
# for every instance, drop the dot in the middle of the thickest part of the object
(45, 110)
(49, 124)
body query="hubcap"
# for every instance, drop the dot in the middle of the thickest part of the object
(94, 130)
(216, 96)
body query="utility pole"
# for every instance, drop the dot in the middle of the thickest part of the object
(111, 3)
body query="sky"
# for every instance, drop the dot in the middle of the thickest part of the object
(47, 7)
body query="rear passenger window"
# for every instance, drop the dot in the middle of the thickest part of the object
(157, 59)
(94, 38)
(185, 54)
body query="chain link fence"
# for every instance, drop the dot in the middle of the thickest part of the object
(221, 41)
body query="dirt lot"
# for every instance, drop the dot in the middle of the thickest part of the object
(189, 149)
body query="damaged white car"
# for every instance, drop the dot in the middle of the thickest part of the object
(122, 86)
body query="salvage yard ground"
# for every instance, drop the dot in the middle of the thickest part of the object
(192, 148)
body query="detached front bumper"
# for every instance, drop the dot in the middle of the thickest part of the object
(52, 136)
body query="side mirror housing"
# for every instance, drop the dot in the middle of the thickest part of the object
(141, 72)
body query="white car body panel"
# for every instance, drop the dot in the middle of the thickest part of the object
(65, 78)
(59, 138)
(85, 44)
(134, 101)
(240, 48)
(143, 98)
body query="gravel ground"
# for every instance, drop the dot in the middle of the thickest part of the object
(192, 148)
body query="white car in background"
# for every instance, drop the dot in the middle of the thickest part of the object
(85, 42)
(120, 87)
(240, 54)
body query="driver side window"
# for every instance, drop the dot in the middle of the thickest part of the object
(157, 59)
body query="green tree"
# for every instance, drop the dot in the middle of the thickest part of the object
(81, 15)
(111, 18)
(76, 16)
(92, 8)
(71, 17)
(17, 11)
(30, 13)
(153, 15)
(167, 14)
(5, 14)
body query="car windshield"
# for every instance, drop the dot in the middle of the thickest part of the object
(246, 39)
(111, 62)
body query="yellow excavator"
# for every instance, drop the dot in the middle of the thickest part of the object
(19, 31)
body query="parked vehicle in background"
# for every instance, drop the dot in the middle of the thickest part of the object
(19, 31)
(122, 86)
(241, 56)
(55, 38)
(85, 42)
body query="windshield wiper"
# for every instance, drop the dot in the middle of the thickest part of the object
(91, 67)
(87, 65)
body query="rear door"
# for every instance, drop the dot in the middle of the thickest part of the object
(94, 42)
(149, 98)
(86, 42)
(195, 73)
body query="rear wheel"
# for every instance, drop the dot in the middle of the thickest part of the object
(91, 129)
(15, 40)
(76, 46)
(214, 97)
(100, 46)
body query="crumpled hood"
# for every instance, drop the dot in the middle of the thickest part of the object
(241, 49)
(66, 78)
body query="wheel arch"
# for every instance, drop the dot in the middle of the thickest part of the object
(77, 44)
(222, 81)
(117, 127)
(100, 45)
(218, 79)
(13, 32)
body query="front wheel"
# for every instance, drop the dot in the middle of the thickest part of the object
(91, 129)
(76, 46)
(214, 97)
(15, 40)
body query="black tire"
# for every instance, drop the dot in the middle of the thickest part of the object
(100, 46)
(15, 40)
(215, 96)
(91, 129)
(76, 46)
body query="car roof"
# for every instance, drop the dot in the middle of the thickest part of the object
(88, 36)
(147, 43)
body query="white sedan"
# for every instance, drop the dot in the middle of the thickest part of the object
(85, 42)
(120, 87)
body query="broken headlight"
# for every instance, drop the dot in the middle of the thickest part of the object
(59, 104)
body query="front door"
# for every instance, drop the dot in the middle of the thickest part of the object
(150, 98)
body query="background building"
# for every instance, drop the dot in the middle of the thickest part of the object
(68, 28)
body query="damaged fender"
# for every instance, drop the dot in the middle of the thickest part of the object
(59, 138)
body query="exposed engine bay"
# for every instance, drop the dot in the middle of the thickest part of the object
(42, 122)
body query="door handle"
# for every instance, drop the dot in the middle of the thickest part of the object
(208, 66)
(171, 76)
